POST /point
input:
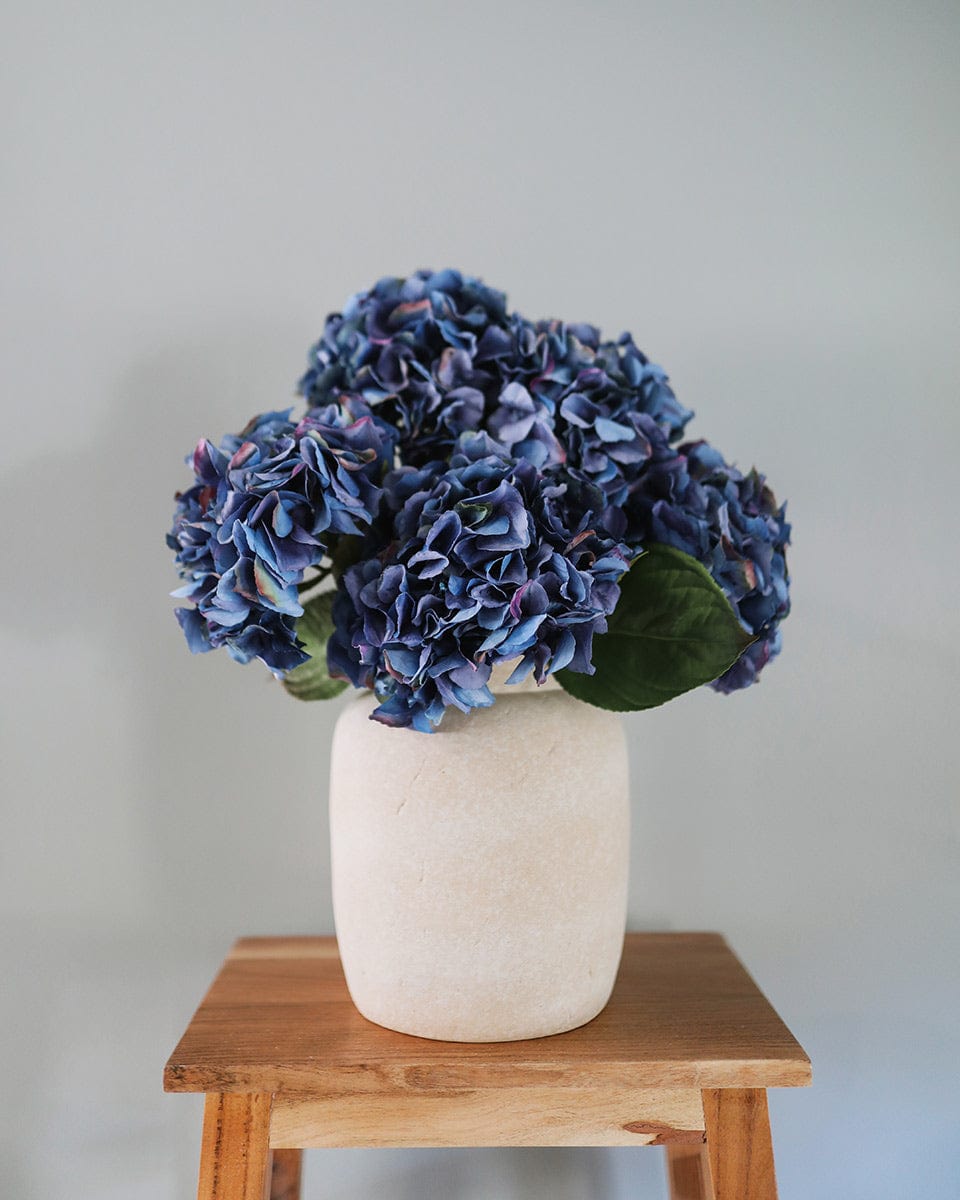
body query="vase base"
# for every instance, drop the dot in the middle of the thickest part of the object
(436, 1029)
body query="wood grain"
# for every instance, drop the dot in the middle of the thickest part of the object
(513, 1116)
(684, 1013)
(286, 1170)
(235, 1154)
(739, 1144)
(688, 1172)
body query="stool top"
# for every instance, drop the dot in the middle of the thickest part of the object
(684, 1013)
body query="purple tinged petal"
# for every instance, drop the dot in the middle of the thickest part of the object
(247, 453)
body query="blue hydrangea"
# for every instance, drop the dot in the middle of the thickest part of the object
(486, 559)
(422, 352)
(690, 498)
(494, 476)
(263, 510)
(437, 354)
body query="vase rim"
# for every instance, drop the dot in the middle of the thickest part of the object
(497, 683)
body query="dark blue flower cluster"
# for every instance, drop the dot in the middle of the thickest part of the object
(497, 476)
(488, 561)
(438, 354)
(691, 499)
(263, 510)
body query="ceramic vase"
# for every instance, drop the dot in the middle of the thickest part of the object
(480, 872)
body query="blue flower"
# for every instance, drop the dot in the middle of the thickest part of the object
(438, 354)
(490, 477)
(265, 507)
(692, 499)
(419, 351)
(487, 560)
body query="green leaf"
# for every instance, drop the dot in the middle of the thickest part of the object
(673, 629)
(310, 681)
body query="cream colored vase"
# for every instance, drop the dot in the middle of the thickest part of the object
(480, 872)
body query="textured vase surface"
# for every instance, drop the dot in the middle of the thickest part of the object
(480, 872)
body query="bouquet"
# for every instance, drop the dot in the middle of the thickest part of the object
(463, 488)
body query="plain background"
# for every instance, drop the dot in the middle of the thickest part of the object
(767, 196)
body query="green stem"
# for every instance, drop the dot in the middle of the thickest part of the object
(307, 584)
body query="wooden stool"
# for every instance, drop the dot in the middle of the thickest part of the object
(681, 1057)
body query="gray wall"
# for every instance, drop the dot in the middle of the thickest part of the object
(767, 196)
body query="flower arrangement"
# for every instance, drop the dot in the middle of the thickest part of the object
(467, 487)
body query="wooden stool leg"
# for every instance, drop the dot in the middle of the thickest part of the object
(688, 1172)
(738, 1144)
(287, 1165)
(235, 1152)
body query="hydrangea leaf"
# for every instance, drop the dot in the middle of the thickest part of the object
(311, 680)
(672, 630)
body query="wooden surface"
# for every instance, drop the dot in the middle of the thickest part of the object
(739, 1145)
(516, 1116)
(684, 1014)
(285, 1173)
(235, 1155)
(688, 1173)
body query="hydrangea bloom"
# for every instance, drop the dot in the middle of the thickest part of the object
(487, 560)
(690, 498)
(421, 351)
(263, 510)
(437, 354)
(496, 476)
